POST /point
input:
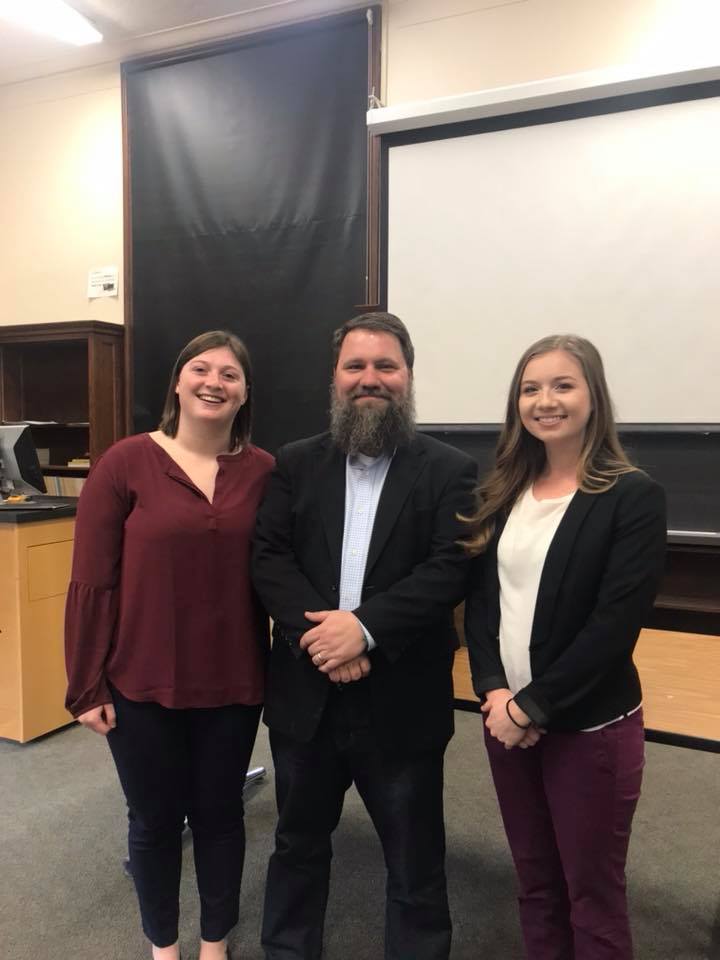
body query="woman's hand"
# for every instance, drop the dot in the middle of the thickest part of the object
(100, 719)
(532, 735)
(499, 723)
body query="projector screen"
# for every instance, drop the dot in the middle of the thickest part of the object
(606, 226)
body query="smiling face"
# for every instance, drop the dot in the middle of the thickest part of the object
(554, 403)
(371, 369)
(211, 386)
(372, 404)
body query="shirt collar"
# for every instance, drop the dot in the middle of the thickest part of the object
(362, 461)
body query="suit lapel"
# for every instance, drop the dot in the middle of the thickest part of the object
(556, 561)
(406, 465)
(331, 488)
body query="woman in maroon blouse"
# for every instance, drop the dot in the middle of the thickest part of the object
(165, 642)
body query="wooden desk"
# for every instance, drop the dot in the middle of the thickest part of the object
(680, 674)
(36, 557)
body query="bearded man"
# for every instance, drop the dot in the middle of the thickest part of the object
(357, 562)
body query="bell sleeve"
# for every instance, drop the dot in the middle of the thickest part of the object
(91, 612)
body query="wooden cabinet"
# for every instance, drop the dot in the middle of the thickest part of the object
(68, 376)
(35, 574)
(689, 598)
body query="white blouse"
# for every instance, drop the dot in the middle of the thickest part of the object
(522, 549)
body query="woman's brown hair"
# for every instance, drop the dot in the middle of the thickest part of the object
(520, 457)
(240, 428)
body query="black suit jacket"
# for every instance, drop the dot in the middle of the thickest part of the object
(597, 587)
(415, 575)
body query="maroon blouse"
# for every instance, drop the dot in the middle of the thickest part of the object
(160, 603)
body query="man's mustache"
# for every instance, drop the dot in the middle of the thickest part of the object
(365, 392)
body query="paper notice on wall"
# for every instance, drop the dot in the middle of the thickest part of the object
(102, 282)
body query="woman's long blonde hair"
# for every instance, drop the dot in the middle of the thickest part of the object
(520, 457)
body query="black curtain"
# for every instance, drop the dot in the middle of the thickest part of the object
(247, 169)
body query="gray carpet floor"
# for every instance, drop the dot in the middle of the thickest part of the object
(64, 895)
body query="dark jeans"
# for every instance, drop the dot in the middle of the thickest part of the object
(175, 764)
(404, 797)
(567, 805)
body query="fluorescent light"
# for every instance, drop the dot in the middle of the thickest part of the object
(52, 17)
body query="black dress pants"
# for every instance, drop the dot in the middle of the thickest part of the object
(404, 797)
(175, 764)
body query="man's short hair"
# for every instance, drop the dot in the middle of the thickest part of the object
(378, 323)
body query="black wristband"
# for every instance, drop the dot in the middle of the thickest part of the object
(522, 726)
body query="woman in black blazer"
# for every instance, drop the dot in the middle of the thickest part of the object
(569, 541)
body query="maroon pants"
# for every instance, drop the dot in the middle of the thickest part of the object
(567, 805)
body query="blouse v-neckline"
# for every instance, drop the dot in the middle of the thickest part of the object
(174, 468)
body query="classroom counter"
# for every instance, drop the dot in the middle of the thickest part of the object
(42, 508)
(36, 550)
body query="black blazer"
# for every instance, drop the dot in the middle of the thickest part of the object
(415, 575)
(597, 587)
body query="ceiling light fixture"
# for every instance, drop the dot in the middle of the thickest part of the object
(52, 17)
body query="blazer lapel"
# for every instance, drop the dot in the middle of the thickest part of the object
(492, 589)
(556, 561)
(331, 488)
(406, 465)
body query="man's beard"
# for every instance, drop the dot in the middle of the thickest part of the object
(372, 428)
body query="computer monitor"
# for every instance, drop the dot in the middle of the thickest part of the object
(20, 471)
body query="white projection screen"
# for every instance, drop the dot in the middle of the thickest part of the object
(607, 226)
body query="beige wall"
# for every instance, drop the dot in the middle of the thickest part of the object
(437, 48)
(61, 156)
(61, 192)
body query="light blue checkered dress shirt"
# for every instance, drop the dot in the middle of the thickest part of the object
(364, 480)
